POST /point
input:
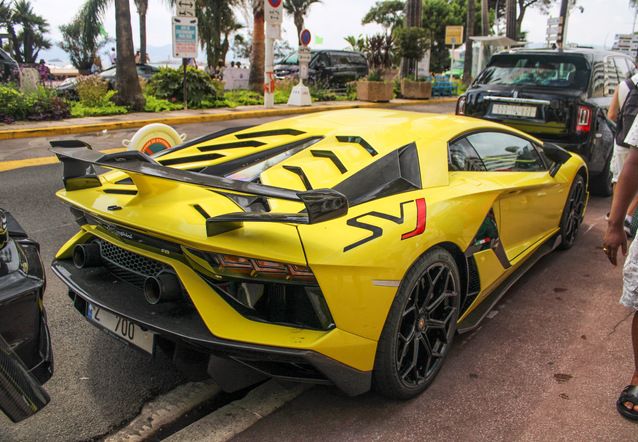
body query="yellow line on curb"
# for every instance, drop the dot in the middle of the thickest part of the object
(17, 164)
(203, 118)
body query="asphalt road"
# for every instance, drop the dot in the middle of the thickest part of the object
(547, 365)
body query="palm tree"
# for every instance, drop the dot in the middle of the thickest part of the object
(29, 39)
(127, 84)
(216, 18)
(257, 53)
(142, 6)
(298, 9)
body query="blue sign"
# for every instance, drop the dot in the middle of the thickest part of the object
(305, 37)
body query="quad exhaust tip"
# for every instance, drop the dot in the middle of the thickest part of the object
(87, 255)
(162, 288)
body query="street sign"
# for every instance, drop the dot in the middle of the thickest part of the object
(184, 37)
(304, 54)
(305, 37)
(453, 35)
(185, 8)
(273, 11)
(554, 21)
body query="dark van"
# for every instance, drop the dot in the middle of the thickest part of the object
(560, 96)
(326, 65)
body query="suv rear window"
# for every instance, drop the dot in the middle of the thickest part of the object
(537, 70)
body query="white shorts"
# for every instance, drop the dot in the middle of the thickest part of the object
(617, 160)
(629, 296)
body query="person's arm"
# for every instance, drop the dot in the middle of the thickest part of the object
(614, 107)
(624, 193)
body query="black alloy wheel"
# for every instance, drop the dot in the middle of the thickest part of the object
(572, 213)
(420, 327)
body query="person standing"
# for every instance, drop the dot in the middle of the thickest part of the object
(616, 238)
(620, 149)
(112, 56)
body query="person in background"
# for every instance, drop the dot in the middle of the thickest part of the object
(615, 238)
(138, 58)
(112, 56)
(620, 152)
(96, 67)
(44, 71)
(191, 62)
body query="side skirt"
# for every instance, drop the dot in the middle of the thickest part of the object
(477, 315)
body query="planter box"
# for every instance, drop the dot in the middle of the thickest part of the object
(416, 89)
(374, 90)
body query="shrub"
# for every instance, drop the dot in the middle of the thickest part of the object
(168, 84)
(43, 104)
(103, 108)
(91, 90)
(154, 104)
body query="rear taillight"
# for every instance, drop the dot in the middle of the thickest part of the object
(583, 118)
(460, 105)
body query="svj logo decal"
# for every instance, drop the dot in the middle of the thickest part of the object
(377, 231)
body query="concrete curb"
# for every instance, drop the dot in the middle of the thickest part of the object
(166, 410)
(236, 417)
(206, 116)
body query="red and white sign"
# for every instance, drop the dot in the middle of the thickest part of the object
(273, 11)
(305, 37)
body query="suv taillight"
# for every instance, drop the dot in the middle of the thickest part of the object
(460, 105)
(583, 118)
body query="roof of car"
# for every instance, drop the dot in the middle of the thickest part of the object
(588, 52)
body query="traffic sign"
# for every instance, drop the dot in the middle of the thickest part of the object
(304, 54)
(273, 12)
(184, 37)
(305, 37)
(185, 8)
(453, 35)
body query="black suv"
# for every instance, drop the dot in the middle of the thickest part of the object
(332, 66)
(560, 96)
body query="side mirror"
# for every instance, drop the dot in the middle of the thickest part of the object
(557, 155)
(21, 395)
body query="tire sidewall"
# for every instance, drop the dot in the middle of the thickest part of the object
(386, 379)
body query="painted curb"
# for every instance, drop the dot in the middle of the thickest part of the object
(203, 118)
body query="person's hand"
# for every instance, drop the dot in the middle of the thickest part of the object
(615, 238)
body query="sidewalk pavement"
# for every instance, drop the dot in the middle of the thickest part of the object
(33, 129)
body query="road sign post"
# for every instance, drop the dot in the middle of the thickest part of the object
(453, 36)
(273, 12)
(185, 42)
(300, 94)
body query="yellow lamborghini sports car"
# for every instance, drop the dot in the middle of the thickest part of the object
(343, 248)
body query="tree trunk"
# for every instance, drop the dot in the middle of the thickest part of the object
(413, 18)
(485, 20)
(467, 66)
(299, 25)
(413, 13)
(143, 38)
(142, 6)
(510, 18)
(257, 52)
(129, 92)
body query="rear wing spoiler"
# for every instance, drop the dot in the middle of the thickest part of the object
(79, 173)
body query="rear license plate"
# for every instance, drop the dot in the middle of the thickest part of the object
(120, 327)
(513, 110)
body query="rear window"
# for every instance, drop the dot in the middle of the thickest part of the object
(553, 71)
